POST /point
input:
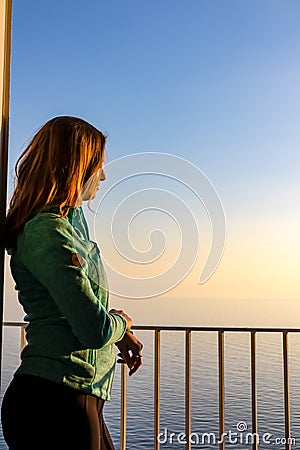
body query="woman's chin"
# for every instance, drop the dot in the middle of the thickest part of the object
(90, 197)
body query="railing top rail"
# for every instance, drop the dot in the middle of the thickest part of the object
(199, 328)
(191, 328)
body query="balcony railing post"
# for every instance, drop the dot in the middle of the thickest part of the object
(157, 390)
(286, 391)
(221, 389)
(253, 391)
(23, 338)
(188, 426)
(123, 408)
(5, 59)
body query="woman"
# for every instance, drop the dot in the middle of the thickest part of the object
(56, 397)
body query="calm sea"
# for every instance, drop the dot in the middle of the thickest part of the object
(140, 409)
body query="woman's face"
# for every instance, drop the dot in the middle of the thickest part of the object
(92, 185)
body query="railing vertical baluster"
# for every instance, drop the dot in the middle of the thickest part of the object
(286, 390)
(188, 426)
(23, 338)
(221, 390)
(254, 392)
(157, 390)
(123, 408)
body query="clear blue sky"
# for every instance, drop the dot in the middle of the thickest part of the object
(216, 82)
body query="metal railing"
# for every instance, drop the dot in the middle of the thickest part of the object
(221, 360)
(221, 381)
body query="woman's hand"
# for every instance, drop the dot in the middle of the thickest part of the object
(130, 352)
(122, 313)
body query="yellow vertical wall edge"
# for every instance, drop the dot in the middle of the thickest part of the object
(5, 58)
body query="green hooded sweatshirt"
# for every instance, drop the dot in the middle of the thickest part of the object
(62, 287)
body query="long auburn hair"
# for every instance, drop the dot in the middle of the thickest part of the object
(53, 169)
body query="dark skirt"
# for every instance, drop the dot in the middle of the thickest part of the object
(39, 414)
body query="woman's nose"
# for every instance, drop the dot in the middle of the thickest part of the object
(102, 175)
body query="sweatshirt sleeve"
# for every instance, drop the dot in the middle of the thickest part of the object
(47, 250)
